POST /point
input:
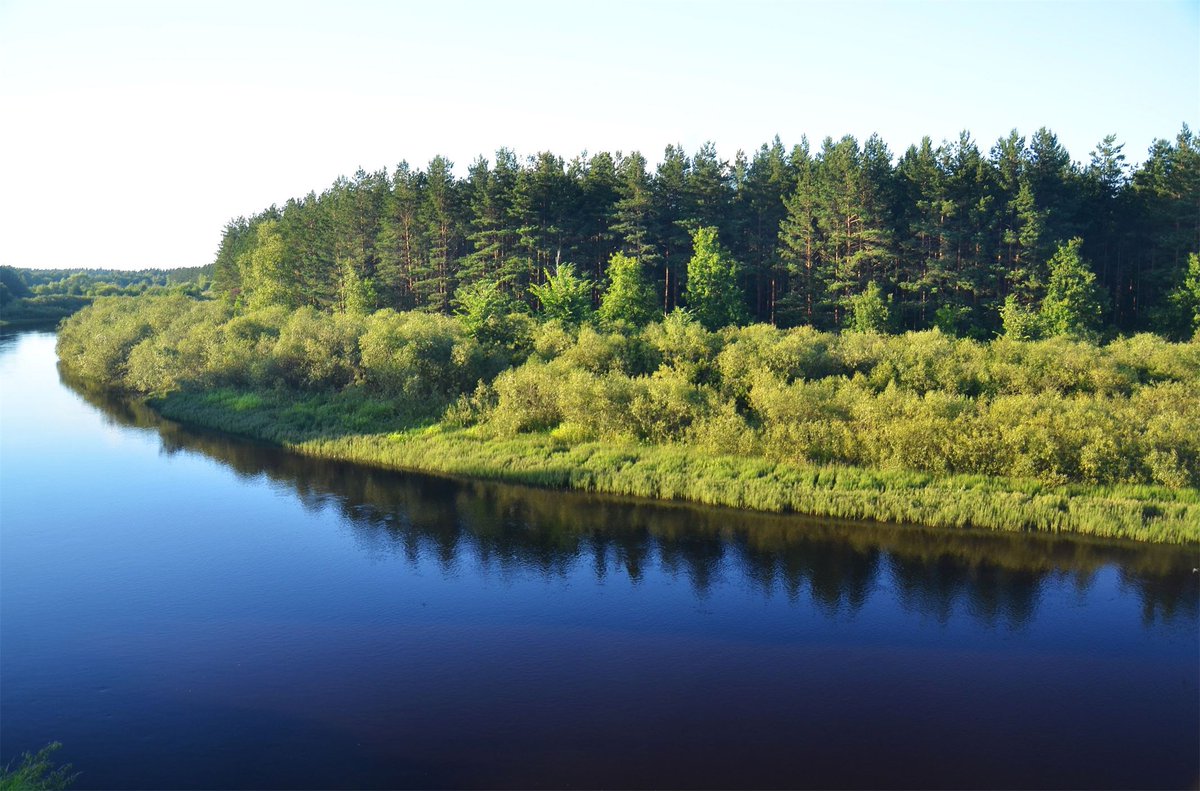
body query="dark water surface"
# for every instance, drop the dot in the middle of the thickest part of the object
(181, 609)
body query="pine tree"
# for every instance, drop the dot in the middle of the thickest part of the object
(1055, 184)
(544, 199)
(1166, 192)
(433, 283)
(797, 248)
(484, 224)
(357, 207)
(919, 225)
(593, 219)
(768, 181)
(1027, 273)
(672, 217)
(710, 190)
(1104, 189)
(632, 214)
(307, 229)
(965, 277)
(401, 243)
(236, 238)
(852, 214)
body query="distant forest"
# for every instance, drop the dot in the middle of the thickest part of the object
(947, 235)
(42, 296)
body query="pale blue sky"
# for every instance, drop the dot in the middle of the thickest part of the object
(133, 130)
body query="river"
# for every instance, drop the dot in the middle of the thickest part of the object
(185, 610)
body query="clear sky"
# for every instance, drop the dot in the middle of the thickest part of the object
(130, 132)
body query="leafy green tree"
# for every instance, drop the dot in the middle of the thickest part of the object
(565, 295)
(1074, 303)
(480, 304)
(947, 232)
(356, 293)
(713, 295)
(12, 285)
(629, 297)
(1019, 322)
(1185, 299)
(951, 319)
(869, 310)
(263, 274)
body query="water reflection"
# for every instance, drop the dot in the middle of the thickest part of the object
(996, 579)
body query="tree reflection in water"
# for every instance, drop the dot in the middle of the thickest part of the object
(993, 577)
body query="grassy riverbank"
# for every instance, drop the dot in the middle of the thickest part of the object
(1145, 513)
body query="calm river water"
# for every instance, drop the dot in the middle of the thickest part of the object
(183, 610)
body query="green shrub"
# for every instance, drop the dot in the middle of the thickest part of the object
(685, 345)
(527, 399)
(415, 356)
(667, 405)
(318, 351)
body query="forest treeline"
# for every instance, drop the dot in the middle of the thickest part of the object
(953, 236)
(43, 296)
(946, 338)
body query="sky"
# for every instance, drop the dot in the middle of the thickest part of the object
(131, 132)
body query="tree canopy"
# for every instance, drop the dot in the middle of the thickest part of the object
(955, 235)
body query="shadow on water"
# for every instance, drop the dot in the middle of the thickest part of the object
(995, 578)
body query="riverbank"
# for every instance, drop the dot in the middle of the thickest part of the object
(40, 312)
(922, 428)
(673, 472)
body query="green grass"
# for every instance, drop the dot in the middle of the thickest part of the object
(349, 426)
(36, 771)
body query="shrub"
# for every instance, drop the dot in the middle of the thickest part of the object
(527, 399)
(685, 346)
(421, 356)
(318, 351)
